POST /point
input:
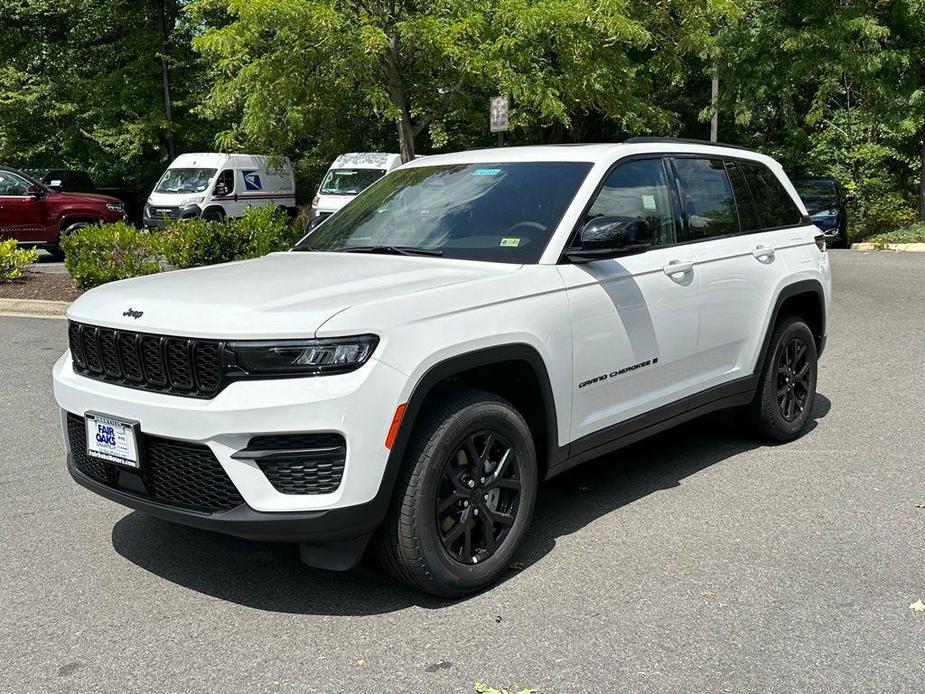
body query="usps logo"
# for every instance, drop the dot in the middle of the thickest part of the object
(251, 180)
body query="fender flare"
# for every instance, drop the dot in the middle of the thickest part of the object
(464, 362)
(809, 286)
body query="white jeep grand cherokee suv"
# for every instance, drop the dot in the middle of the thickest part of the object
(468, 326)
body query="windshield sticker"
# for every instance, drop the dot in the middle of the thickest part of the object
(510, 243)
(486, 172)
(648, 201)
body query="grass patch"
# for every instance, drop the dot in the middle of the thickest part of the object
(914, 233)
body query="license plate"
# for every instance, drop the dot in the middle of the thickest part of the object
(112, 440)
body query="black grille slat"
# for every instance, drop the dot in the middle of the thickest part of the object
(175, 473)
(176, 365)
(128, 354)
(74, 341)
(152, 359)
(207, 366)
(109, 355)
(307, 473)
(179, 364)
(91, 349)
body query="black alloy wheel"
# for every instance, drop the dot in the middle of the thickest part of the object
(478, 497)
(793, 379)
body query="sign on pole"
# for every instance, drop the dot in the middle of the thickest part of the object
(500, 105)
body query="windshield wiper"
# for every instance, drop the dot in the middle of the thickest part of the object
(393, 250)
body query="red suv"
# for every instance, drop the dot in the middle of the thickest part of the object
(38, 216)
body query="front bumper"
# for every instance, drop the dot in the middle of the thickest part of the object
(358, 405)
(308, 527)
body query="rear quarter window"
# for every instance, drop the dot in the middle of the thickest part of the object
(773, 203)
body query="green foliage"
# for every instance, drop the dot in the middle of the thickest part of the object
(104, 253)
(914, 233)
(14, 260)
(197, 242)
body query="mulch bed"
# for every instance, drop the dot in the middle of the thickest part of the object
(41, 285)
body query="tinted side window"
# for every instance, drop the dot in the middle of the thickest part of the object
(706, 195)
(775, 206)
(748, 219)
(639, 190)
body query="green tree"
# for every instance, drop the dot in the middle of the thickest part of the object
(81, 85)
(306, 69)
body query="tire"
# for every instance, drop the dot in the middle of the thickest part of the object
(785, 395)
(414, 542)
(214, 214)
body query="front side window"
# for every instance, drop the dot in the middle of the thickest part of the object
(349, 181)
(226, 181)
(11, 184)
(499, 212)
(185, 181)
(706, 196)
(638, 190)
(775, 206)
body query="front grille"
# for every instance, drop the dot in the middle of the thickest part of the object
(317, 472)
(164, 212)
(175, 473)
(175, 365)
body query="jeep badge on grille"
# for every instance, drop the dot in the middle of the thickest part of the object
(132, 313)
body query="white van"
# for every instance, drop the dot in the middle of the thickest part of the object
(348, 176)
(218, 186)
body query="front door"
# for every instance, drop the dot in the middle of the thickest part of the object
(634, 319)
(21, 215)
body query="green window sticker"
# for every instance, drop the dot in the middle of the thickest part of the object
(510, 243)
(486, 172)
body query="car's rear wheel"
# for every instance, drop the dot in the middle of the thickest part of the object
(787, 387)
(465, 496)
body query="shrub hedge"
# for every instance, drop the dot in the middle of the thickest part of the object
(104, 253)
(99, 254)
(14, 260)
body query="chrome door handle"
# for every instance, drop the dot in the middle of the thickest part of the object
(762, 252)
(678, 267)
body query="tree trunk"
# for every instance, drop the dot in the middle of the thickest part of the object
(714, 102)
(405, 138)
(922, 176)
(165, 76)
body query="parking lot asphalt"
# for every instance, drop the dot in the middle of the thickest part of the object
(697, 561)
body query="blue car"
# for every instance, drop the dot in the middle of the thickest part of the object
(826, 203)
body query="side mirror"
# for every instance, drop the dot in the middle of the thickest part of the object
(611, 237)
(851, 198)
(34, 191)
(220, 190)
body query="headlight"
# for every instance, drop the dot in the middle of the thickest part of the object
(115, 206)
(192, 201)
(826, 213)
(304, 357)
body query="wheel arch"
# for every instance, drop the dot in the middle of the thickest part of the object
(805, 298)
(513, 371)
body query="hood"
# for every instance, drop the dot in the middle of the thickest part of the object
(282, 295)
(817, 205)
(175, 199)
(85, 197)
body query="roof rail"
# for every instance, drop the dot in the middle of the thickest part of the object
(680, 141)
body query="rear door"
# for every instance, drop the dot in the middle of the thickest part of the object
(740, 260)
(22, 216)
(635, 318)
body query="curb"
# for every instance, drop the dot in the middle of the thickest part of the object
(905, 247)
(33, 308)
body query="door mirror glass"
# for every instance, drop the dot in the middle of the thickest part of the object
(220, 190)
(610, 237)
(35, 191)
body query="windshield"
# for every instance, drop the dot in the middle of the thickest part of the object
(185, 180)
(816, 189)
(496, 212)
(349, 181)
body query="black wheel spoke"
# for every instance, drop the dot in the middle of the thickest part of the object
(478, 496)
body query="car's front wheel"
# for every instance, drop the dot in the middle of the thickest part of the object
(465, 496)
